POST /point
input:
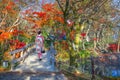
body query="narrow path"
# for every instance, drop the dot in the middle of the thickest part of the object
(32, 64)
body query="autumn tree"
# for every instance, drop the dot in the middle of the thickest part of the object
(10, 29)
(87, 21)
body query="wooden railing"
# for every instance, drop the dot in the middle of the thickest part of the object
(52, 53)
(24, 52)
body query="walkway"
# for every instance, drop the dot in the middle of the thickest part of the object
(32, 63)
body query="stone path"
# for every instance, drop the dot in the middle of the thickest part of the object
(32, 63)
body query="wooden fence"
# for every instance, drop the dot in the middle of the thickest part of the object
(23, 53)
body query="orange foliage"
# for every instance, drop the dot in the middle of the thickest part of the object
(13, 11)
(64, 45)
(40, 14)
(59, 19)
(5, 36)
(52, 9)
(57, 12)
(10, 5)
(17, 55)
(72, 34)
(4, 11)
(38, 23)
(4, 1)
(49, 13)
(12, 47)
(7, 56)
(2, 31)
(29, 19)
(48, 7)
(16, 32)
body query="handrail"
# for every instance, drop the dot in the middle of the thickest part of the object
(21, 49)
(52, 53)
(22, 55)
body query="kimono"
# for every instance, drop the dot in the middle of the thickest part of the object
(39, 45)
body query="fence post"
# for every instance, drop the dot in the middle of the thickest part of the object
(12, 62)
(92, 67)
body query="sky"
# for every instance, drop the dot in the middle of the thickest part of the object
(116, 3)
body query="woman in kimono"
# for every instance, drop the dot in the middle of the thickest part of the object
(39, 41)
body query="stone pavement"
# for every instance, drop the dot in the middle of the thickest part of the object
(32, 63)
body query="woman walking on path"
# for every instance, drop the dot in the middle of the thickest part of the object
(39, 41)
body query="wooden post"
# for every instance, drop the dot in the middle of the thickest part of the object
(12, 62)
(21, 55)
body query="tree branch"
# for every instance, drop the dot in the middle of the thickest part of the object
(3, 20)
(60, 5)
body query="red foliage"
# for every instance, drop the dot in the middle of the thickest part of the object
(17, 32)
(8, 7)
(17, 44)
(48, 7)
(11, 3)
(83, 34)
(95, 39)
(20, 45)
(40, 14)
(113, 47)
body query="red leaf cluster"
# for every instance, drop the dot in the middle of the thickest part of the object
(83, 34)
(16, 32)
(17, 44)
(40, 14)
(48, 7)
(10, 5)
(113, 47)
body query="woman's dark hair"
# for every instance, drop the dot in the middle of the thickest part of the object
(39, 32)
